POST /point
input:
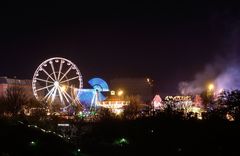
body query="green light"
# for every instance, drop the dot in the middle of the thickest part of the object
(33, 143)
(121, 141)
(93, 113)
(76, 152)
(81, 115)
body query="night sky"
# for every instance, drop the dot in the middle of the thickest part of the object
(169, 42)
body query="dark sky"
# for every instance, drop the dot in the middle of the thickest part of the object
(168, 42)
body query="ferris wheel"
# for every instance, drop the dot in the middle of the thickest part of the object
(57, 80)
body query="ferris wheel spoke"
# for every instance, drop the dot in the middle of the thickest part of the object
(66, 73)
(54, 73)
(66, 97)
(60, 70)
(60, 94)
(44, 87)
(69, 79)
(49, 93)
(54, 94)
(48, 74)
(64, 92)
(44, 80)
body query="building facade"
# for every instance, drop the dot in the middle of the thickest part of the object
(6, 83)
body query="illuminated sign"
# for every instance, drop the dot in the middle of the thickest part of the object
(178, 98)
(63, 125)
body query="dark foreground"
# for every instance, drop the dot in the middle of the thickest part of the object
(19, 139)
(152, 136)
(164, 137)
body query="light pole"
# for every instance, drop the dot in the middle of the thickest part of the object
(150, 83)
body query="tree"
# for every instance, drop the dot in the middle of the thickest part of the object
(229, 102)
(105, 114)
(2, 105)
(35, 108)
(133, 108)
(207, 99)
(15, 99)
(55, 107)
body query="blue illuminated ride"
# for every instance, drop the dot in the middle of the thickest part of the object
(90, 98)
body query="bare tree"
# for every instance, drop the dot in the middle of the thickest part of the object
(15, 99)
(34, 107)
(2, 105)
(131, 111)
(229, 101)
(105, 114)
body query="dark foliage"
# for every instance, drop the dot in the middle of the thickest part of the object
(14, 100)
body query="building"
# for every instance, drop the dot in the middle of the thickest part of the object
(134, 86)
(115, 103)
(6, 83)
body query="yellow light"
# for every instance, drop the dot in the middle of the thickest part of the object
(112, 92)
(210, 87)
(148, 80)
(229, 117)
(118, 111)
(63, 88)
(196, 110)
(120, 93)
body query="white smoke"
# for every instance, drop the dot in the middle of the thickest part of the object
(223, 73)
(229, 79)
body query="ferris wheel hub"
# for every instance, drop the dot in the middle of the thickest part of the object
(56, 84)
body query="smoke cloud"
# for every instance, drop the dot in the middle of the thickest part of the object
(223, 72)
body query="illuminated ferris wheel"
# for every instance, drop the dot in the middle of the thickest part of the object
(57, 80)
